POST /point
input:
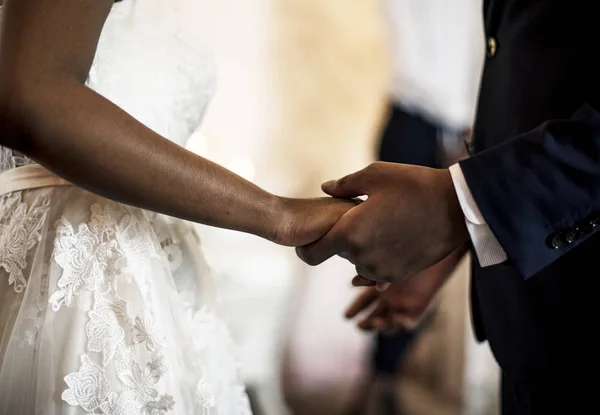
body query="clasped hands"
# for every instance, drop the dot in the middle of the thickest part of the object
(405, 238)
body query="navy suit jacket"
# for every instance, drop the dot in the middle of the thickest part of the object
(535, 175)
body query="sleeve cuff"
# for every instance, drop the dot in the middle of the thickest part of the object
(487, 248)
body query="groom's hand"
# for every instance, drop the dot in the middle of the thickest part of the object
(411, 220)
(405, 303)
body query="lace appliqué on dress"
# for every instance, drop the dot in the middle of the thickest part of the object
(88, 257)
(20, 231)
(146, 331)
(92, 258)
(10, 159)
(205, 396)
(124, 363)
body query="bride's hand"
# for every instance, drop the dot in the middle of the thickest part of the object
(303, 221)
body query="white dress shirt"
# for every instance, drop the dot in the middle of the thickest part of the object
(487, 248)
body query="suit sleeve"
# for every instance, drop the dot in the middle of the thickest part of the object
(540, 192)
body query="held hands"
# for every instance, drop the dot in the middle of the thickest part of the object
(408, 236)
(411, 220)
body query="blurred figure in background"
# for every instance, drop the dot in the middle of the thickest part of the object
(436, 65)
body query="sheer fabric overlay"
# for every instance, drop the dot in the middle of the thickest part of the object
(103, 312)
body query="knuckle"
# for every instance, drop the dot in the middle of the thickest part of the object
(372, 168)
(354, 242)
(378, 271)
(364, 272)
(368, 270)
(375, 169)
(381, 271)
(359, 237)
(343, 182)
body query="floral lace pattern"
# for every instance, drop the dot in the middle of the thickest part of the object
(205, 396)
(88, 257)
(124, 362)
(92, 259)
(10, 159)
(147, 332)
(20, 231)
(102, 264)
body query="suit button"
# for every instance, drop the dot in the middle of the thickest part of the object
(571, 236)
(585, 228)
(492, 47)
(555, 241)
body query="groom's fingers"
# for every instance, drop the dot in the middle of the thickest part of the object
(382, 286)
(404, 321)
(359, 281)
(350, 186)
(376, 318)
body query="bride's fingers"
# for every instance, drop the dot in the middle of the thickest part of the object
(364, 300)
(359, 281)
(321, 250)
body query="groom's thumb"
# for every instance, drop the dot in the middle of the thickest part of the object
(353, 185)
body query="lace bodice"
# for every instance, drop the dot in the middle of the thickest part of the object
(149, 62)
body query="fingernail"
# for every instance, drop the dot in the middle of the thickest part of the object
(382, 286)
(329, 183)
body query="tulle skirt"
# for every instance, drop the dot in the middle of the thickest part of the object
(107, 309)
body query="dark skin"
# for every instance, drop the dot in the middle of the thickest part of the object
(406, 239)
(411, 220)
(47, 113)
(404, 303)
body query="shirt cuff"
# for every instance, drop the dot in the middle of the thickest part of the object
(487, 248)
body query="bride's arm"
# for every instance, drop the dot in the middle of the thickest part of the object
(46, 112)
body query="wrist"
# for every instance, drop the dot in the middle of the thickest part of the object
(276, 214)
(457, 231)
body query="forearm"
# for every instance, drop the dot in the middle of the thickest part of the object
(91, 142)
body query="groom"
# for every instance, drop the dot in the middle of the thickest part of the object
(527, 203)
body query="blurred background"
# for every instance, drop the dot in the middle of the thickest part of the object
(311, 90)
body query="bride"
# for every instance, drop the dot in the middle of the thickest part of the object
(106, 306)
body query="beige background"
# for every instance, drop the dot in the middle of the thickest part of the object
(301, 99)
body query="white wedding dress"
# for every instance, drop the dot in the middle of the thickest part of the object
(105, 308)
